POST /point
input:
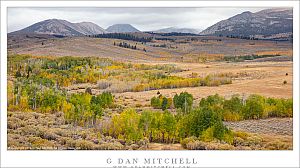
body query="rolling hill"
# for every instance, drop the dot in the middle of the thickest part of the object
(177, 30)
(275, 22)
(62, 27)
(121, 28)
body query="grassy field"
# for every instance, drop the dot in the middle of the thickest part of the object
(90, 93)
(178, 49)
(264, 78)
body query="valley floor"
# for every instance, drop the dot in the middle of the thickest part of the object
(270, 77)
(264, 78)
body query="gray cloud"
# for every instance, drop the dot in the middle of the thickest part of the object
(142, 18)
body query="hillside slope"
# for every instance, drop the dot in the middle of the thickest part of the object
(62, 27)
(276, 22)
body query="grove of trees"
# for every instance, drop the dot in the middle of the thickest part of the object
(204, 121)
(124, 36)
(233, 109)
(161, 102)
(126, 45)
(165, 127)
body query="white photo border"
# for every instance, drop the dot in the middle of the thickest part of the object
(100, 158)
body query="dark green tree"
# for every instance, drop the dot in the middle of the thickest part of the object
(164, 104)
(184, 101)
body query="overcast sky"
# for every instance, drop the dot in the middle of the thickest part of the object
(144, 19)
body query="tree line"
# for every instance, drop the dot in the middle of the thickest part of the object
(165, 127)
(246, 57)
(127, 45)
(123, 36)
(233, 109)
(79, 108)
(170, 82)
(204, 121)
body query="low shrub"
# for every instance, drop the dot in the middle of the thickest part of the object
(63, 140)
(110, 146)
(241, 134)
(84, 145)
(143, 142)
(30, 130)
(192, 143)
(237, 141)
(253, 141)
(48, 134)
(20, 116)
(218, 146)
(13, 124)
(185, 141)
(278, 145)
(70, 143)
(196, 145)
(138, 105)
(61, 132)
(134, 147)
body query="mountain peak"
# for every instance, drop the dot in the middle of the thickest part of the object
(86, 23)
(275, 10)
(177, 30)
(266, 22)
(121, 28)
(63, 27)
(246, 13)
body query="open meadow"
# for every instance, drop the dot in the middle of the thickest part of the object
(168, 93)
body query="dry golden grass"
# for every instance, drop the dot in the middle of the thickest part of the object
(85, 46)
(264, 78)
(280, 52)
